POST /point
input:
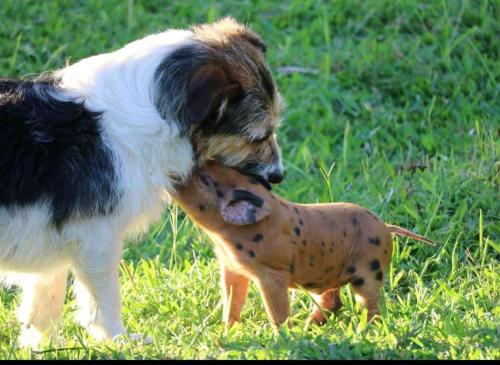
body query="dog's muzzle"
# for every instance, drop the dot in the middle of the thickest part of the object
(274, 173)
(263, 181)
(275, 177)
(266, 175)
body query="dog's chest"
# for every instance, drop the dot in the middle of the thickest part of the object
(148, 173)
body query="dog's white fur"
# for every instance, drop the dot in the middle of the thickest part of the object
(148, 151)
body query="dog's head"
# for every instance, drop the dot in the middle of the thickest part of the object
(221, 92)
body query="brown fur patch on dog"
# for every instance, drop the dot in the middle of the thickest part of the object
(239, 129)
(223, 32)
(235, 149)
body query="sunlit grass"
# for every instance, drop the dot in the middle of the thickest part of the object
(402, 116)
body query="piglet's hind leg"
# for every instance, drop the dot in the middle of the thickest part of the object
(367, 293)
(330, 301)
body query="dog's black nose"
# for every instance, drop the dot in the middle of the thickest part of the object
(275, 177)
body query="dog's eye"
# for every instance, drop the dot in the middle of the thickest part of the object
(263, 138)
(257, 141)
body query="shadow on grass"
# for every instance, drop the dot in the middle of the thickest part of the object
(317, 347)
(309, 348)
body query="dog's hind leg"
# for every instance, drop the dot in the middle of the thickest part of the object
(42, 305)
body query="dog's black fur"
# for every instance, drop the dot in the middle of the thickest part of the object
(52, 149)
(174, 100)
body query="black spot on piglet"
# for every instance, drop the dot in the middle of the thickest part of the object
(311, 285)
(258, 237)
(375, 265)
(251, 215)
(358, 282)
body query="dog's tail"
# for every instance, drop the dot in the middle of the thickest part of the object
(404, 232)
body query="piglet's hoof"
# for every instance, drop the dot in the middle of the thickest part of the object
(133, 337)
(318, 318)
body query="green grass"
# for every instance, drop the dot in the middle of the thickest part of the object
(402, 116)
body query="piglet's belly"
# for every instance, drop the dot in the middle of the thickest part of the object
(318, 265)
(319, 282)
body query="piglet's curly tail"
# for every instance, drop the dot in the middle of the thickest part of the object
(403, 232)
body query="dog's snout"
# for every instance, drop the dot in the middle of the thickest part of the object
(274, 173)
(275, 177)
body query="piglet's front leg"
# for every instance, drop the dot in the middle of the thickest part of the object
(273, 286)
(234, 294)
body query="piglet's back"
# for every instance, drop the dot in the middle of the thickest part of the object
(326, 238)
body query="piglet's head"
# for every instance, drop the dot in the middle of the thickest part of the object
(236, 198)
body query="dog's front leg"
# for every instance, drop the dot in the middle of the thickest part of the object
(97, 290)
(41, 306)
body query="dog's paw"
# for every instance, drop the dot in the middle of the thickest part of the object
(30, 337)
(137, 337)
(133, 337)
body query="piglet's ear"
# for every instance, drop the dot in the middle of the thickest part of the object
(243, 207)
(208, 87)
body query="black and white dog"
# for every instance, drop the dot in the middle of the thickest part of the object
(90, 153)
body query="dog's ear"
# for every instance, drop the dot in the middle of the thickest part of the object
(207, 88)
(255, 40)
(242, 207)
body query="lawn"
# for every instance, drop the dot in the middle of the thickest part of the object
(397, 108)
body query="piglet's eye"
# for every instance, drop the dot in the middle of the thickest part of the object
(205, 179)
